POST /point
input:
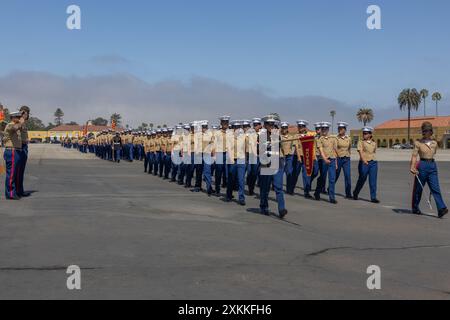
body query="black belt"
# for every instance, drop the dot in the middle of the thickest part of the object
(12, 148)
(427, 160)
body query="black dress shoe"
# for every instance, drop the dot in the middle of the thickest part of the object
(333, 201)
(355, 197)
(227, 199)
(418, 212)
(317, 197)
(265, 212)
(375, 201)
(283, 213)
(442, 213)
(25, 194)
(242, 203)
(308, 196)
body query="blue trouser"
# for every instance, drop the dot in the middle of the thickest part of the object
(367, 170)
(151, 162)
(296, 170)
(190, 167)
(321, 180)
(21, 169)
(12, 161)
(330, 171)
(157, 162)
(236, 175)
(207, 175)
(345, 164)
(428, 173)
(198, 165)
(289, 170)
(147, 162)
(167, 164)
(117, 155)
(252, 175)
(265, 183)
(307, 181)
(175, 169)
(221, 170)
(182, 174)
(130, 148)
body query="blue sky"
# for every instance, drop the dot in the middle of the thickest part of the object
(282, 48)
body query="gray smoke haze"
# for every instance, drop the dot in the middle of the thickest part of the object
(165, 102)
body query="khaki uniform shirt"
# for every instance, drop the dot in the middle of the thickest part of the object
(287, 147)
(157, 144)
(12, 137)
(328, 146)
(425, 149)
(368, 148)
(344, 145)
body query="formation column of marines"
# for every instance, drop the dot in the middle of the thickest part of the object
(210, 160)
(234, 166)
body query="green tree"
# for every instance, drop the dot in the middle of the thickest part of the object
(50, 126)
(409, 99)
(436, 98)
(424, 94)
(100, 122)
(151, 126)
(72, 123)
(35, 124)
(117, 118)
(365, 115)
(59, 115)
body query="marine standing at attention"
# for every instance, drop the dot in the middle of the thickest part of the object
(13, 151)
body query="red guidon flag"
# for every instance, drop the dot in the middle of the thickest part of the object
(85, 131)
(113, 125)
(308, 153)
(2, 115)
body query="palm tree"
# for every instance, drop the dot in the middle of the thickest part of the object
(424, 94)
(409, 99)
(59, 114)
(151, 125)
(332, 114)
(365, 115)
(436, 97)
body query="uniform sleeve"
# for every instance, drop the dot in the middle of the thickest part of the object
(360, 146)
(416, 149)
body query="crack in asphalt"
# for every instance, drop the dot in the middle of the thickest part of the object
(326, 250)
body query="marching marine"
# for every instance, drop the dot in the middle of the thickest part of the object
(426, 171)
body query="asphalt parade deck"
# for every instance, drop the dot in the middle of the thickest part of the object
(136, 236)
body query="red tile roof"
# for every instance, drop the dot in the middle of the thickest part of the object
(415, 123)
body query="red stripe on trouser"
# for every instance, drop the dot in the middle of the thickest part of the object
(414, 193)
(11, 174)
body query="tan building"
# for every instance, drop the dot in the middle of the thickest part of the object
(395, 131)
